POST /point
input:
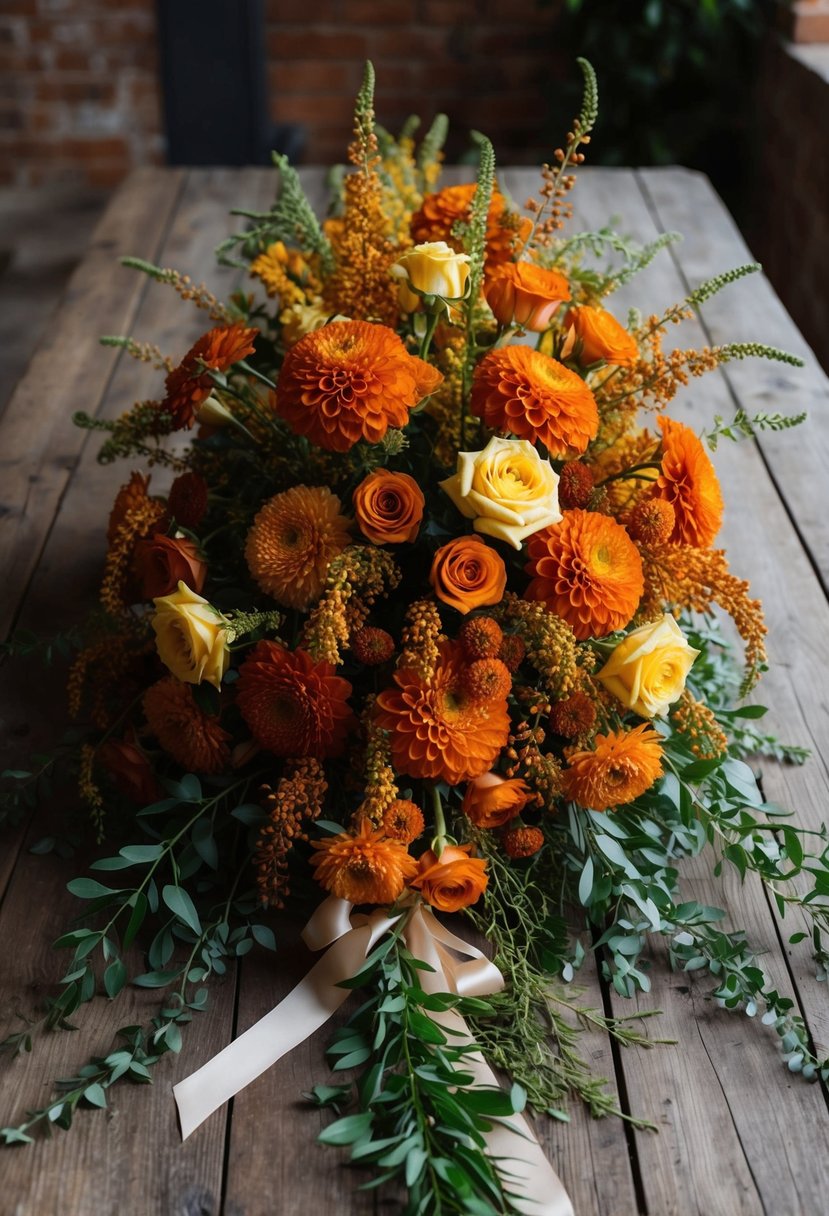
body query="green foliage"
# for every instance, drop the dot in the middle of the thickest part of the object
(603, 243)
(432, 142)
(420, 1117)
(743, 426)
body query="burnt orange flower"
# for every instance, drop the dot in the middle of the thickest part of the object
(129, 497)
(389, 507)
(292, 541)
(129, 769)
(440, 212)
(588, 571)
(688, 482)
(452, 881)
(372, 646)
(187, 500)
(467, 574)
(521, 293)
(622, 766)
(575, 485)
(573, 716)
(491, 801)
(600, 336)
(294, 706)
(481, 637)
(436, 731)
(522, 841)
(487, 678)
(192, 737)
(528, 394)
(403, 820)
(364, 868)
(189, 384)
(348, 381)
(652, 521)
(161, 562)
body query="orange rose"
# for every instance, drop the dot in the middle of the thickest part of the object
(491, 801)
(162, 562)
(389, 507)
(467, 574)
(521, 293)
(452, 881)
(601, 337)
(129, 770)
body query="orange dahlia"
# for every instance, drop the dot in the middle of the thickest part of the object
(623, 765)
(365, 868)
(437, 732)
(527, 393)
(440, 212)
(403, 820)
(130, 497)
(588, 571)
(292, 541)
(348, 381)
(192, 737)
(687, 480)
(294, 706)
(189, 384)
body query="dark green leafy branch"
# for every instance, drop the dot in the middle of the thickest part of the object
(420, 1117)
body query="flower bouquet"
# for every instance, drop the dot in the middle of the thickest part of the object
(415, 617)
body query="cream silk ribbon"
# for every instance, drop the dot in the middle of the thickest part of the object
(536, 1188)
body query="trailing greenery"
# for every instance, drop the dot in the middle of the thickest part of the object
(744, 426)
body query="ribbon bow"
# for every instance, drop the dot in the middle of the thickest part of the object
(350, 939)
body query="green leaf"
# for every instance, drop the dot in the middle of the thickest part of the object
(115, 977)
(139, 911)
(156, 979)
(182, 906)
(250, 814)
(586, 883)
(204, 843)
(95, 1096)
(264, 935)
(88, 888)
(347, 1130)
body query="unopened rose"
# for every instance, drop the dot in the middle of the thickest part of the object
(452, 881)
(521, 293)
(507, 489)
(647, 670)
(191, 637)
(467, 574)
(491, 801)
(598, 335)
(388, 507)
(162, 562)
(431, 269)
(130, 770)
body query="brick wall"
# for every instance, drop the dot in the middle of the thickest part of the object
(79, 96)
(78, 90)
(789, 227)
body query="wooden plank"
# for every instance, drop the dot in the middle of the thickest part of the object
(69, 372)
(717, 1151)
(74, 1173)
(750, 311)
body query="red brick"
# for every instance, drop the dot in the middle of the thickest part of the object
(289, 12)
(303, 76)
(312, 108)
(379, 12)
(298, 43)
(75, 89)
(417, 44)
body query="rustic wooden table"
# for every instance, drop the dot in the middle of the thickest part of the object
(737, 1132)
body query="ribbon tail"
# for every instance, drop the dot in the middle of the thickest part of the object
(528, 1177)
(307, 1007)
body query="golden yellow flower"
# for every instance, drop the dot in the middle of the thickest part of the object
(648, 669)
(507, 489)
(191, 637)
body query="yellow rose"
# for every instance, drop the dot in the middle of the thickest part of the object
(507, 489)
(431, 269)
(191, 637)
(212, 413)
(647, 670)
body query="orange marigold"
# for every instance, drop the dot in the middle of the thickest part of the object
(189, 384)
(588, 571)
(348, 381)
(437, 732)
(575, 485)
(623, 765)
(652, 521)
(403, 820)
(573, 716)
(372, 646)
(294, 706)
(129, 497)
(481, 637)
(440, 212)
(364, 868)
(192, 737)
(687, 480)
(522, 841)
(486, 679)
(535, 397)
(292, 541)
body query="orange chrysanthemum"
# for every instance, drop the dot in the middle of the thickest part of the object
(512, 652)
(522, 841)
(623, 765)
(588, 571)
(436, 731)
(652, 521)
(486, 679)
(130, 497)
(348, 381)
(575, 485)
(527, 393)
(366, 868)
(189, 384)
(481, 637)
(192, 737)
(187, 500)
(440, 212)
(292, 541)
(573, 716)
(687, 480)
(372, 646)
(403, 821)
(294, 706)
